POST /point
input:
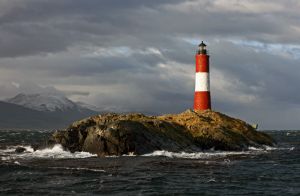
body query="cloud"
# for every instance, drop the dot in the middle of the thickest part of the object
(9, 90)
(139, 54)
(246, 6)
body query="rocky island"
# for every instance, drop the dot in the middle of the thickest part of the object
(135, 133)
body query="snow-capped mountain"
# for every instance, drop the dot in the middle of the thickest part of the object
(43, 102)
(39, 111)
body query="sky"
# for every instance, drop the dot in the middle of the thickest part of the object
(138, 55)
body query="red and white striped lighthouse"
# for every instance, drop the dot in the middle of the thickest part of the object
(202, 92)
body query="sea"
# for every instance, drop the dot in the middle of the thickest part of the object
(53, 171)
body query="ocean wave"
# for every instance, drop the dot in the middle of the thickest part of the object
(269, 148)
(56, 152)
(197, 155)
(293, 133)
(216, 154)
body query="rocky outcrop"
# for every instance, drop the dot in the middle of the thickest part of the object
(20, 149)
(117, 134)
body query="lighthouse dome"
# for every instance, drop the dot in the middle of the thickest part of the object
(202, 48)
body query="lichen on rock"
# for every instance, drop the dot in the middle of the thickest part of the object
(135, 133)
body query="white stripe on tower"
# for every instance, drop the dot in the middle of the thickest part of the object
(202, 81)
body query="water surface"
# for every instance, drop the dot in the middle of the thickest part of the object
(266, 171)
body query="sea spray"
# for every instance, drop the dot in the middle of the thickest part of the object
(56, 152)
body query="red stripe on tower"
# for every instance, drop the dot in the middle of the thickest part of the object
(202, 91)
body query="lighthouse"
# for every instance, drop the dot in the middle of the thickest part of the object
(202, 92)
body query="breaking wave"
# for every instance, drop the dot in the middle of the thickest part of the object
(56, 152)
(269, 148)
(215, 154)
(196, 155)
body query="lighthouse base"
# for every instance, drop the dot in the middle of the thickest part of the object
(202, 101)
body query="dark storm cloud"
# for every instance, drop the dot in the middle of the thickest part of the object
(36, 26)
(52, 26)
(102, 64)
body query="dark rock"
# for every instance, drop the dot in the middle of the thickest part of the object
(35, 146)
(20, 149)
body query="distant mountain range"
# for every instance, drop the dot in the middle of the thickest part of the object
(41, 111)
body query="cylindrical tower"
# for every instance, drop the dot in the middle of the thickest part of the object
(202, 92)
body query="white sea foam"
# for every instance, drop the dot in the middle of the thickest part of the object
(252, 148)
(197, 155)
(293, 133)
(17, 163)
(269, 148)
(5, 158)
(292, 148)
(217, 154)
(56, 152)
